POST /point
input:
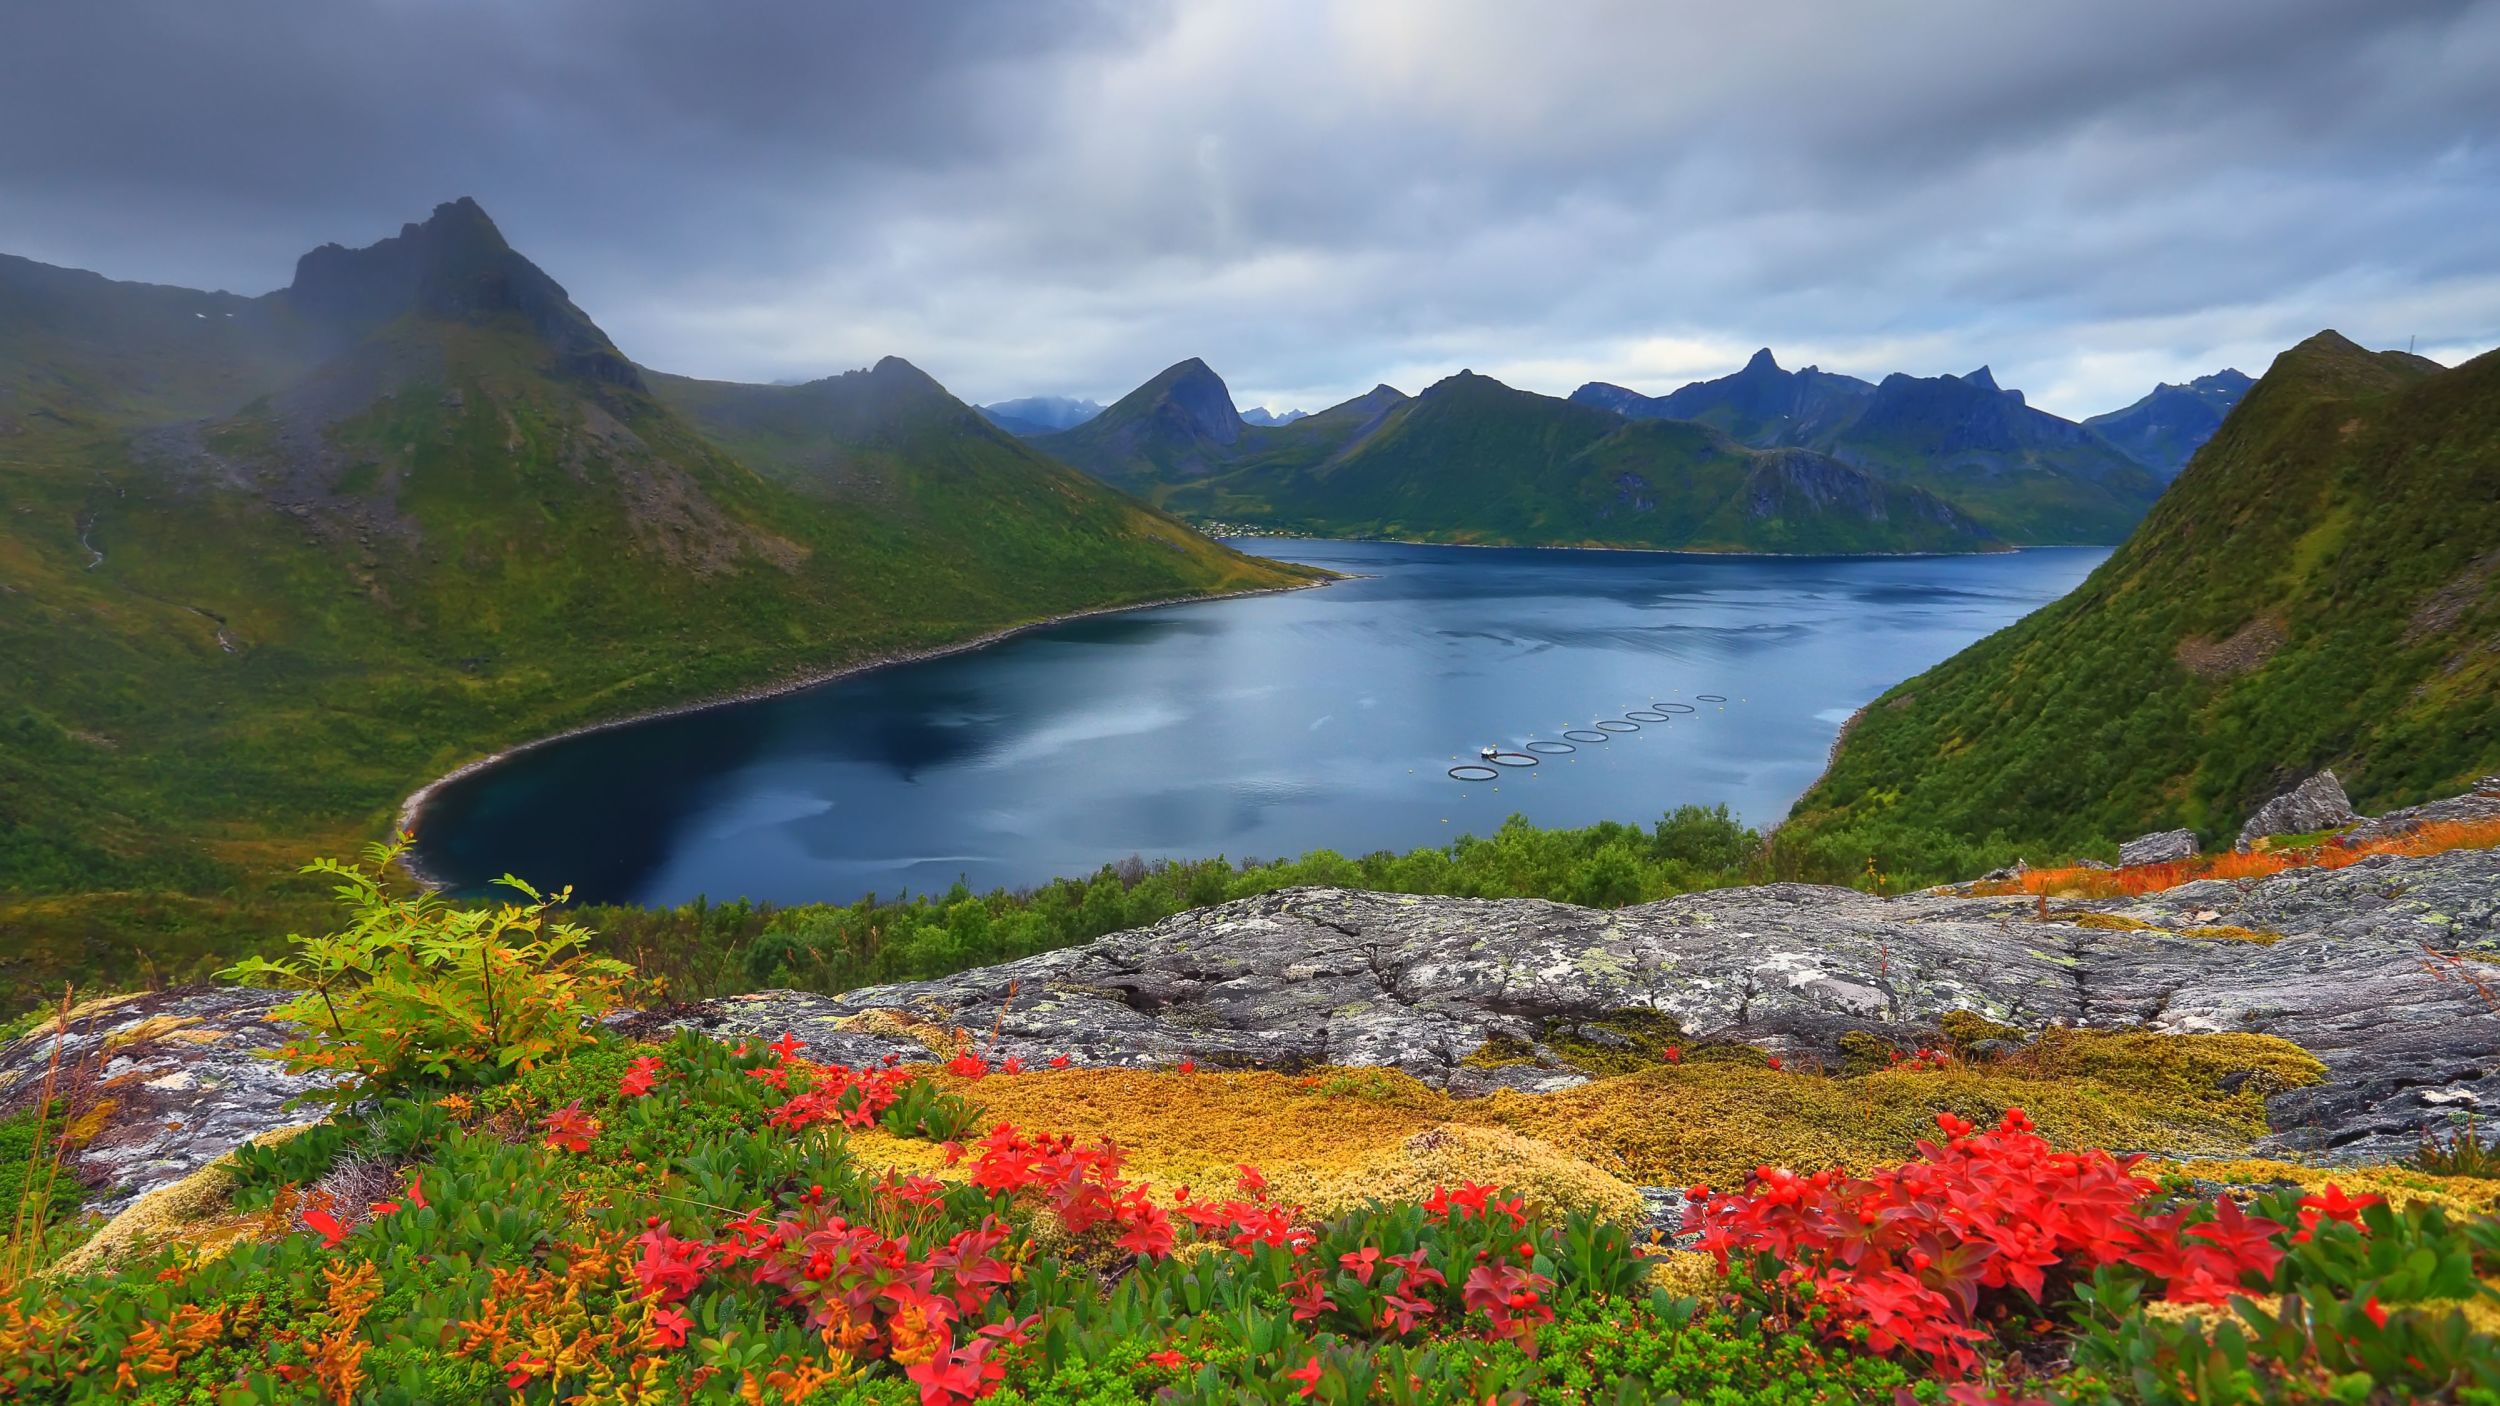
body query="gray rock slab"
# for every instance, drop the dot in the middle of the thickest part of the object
(2161, 847)
(2316, 804)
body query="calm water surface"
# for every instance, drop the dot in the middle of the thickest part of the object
(1259, 727)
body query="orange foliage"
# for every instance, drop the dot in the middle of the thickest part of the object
(2140, 879)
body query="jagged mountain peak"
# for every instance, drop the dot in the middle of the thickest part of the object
(455, 266)
(1762, 361)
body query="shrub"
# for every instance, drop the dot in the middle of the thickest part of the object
(415, 989)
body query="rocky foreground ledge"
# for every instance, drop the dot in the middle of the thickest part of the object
(2388, 971)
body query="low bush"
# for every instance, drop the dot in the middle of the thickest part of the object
(413, 989)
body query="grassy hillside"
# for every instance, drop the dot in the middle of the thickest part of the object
(1473, 460)
(2316, 589)
(408, 538)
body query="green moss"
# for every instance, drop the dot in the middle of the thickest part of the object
(1864, 1052)
(1618, 1042)
(1501, 1052)
(1965, 1029)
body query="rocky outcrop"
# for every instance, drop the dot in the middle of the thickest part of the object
(2346, 963)
(2316, 804)
(2480, 805)
(159, 1084)
(2162, 847)
(1331, 976)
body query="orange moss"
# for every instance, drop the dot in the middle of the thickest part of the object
(1329, 1138)
(2136, 880)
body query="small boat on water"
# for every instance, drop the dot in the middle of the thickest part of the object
(1488, 753)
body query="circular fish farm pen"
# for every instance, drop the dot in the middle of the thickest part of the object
(1549, 748)
(1475, 773)
(1512, 759)
(1582, 734)
(1616, 725)
(1645, 715)
(1673, 708)
(1711, 697)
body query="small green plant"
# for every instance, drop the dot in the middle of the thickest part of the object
(2466, 1155)
(413, 989)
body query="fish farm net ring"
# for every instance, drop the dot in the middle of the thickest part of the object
(1616, 725)
(1513, 759)
(1644, 715)
(1711, 697)
(1475, 773)
(1674, 708)
(1551, 748)
(1582, 734)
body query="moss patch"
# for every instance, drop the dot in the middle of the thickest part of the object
(1714, 1117)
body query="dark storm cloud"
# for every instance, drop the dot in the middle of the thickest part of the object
(1027, 197)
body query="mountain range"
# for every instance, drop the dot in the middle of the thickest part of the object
(2318, 589)
(1473, 460)
(267, 563)
(2028, 475)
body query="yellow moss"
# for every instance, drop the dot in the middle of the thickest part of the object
(1332, 1138)
(1548, 1178)
(195, 1211)
(148, 1029)
(2177, 1066)
(939, 1040)
(2224, 932)
(2402, 1186)
(83, 1128)
(2109, 922)
(1685, 1273)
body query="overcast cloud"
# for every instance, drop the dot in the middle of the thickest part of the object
(1036, 198)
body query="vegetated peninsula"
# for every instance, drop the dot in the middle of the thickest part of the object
(1471, 460)
(268, 563)
(2319, 589)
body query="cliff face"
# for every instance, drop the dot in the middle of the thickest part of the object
(1429, 986)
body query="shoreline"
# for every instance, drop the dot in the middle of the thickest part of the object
(412, 809)
(1702, 552)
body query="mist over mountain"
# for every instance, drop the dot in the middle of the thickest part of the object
(279, 559)
(1040, 414)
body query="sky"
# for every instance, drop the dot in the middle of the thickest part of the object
(1032, 197)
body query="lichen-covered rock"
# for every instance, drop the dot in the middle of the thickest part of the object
(2316, 804)
(2474, 807)
(1311, 977)
(2161, 847)
(159, 1084)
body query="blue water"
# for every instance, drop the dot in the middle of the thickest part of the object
(1259, 727)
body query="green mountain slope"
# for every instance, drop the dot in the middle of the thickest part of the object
(251, 603)
(2320, 587)
(2025, 473)
(1181, 425)
(1472, 460)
